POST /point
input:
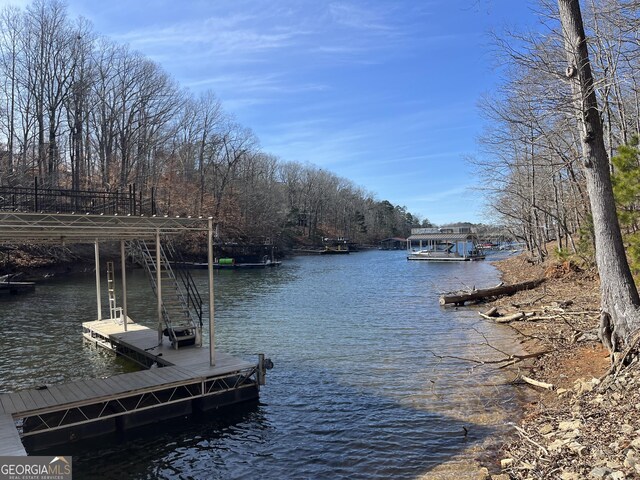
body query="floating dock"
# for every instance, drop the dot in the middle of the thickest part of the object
(230, 266)
(180, 377)
(10, 443)
(179, 383)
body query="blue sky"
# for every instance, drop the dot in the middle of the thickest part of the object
(384, 93)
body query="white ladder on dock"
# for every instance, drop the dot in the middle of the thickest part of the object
(113, 310)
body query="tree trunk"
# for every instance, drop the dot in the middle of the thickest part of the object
(12, 110)
(52, 157)
(482, 294)
(620, 318)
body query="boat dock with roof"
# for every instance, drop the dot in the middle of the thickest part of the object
(453, 244)
(181, 374)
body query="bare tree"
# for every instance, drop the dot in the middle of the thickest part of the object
(11, 28)
(620, 319)
(77, 103)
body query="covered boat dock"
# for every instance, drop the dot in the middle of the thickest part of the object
(181, 375)
(443, 244)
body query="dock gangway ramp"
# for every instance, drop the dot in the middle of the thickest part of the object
(181, 302)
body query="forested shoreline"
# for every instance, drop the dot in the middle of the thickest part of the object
(81, 112)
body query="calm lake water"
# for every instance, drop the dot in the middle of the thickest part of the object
(356, 391)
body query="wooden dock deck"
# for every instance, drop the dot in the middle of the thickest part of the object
(10, 444)
(182, 381)
(140, 344)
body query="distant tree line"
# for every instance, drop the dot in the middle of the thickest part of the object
(532, 168)
(79, 111)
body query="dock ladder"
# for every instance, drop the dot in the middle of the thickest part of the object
(113, 310)
(181, 302)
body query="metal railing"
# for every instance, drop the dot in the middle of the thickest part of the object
(57, 200)
(186, 291)
(194, 300)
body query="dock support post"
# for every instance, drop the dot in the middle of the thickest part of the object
(212, 334)
(159, 285)
(261, 369)
(98, 302)
(124, 284)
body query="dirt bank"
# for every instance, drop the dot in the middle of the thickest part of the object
(588, 425)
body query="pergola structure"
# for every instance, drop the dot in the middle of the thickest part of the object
(56, 228)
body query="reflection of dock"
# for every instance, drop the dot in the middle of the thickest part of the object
(16, 288)
(335, 251)
(230, 266)
(185, 383)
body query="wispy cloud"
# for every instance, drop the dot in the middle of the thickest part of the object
(441, 195)
(306, 144)
(220, 36)
(351, 15)
(268, 84)
(225, 32)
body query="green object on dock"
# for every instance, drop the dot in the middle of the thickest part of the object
(226, 261)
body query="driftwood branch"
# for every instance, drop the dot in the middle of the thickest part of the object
(461, 297)
(507, 318)
(532, 302)
(526, 436)
(537, 383)
(492, 312)
(508, 359)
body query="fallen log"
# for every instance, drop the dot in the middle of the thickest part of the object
(515, 316)
(492, 312)
(461, 297)
(507, 318)
(537, 383)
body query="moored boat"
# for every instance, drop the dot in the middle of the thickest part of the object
(444, 256)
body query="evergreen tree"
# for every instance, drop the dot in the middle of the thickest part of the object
(626, 188)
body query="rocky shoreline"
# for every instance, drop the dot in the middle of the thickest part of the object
(586, 423)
